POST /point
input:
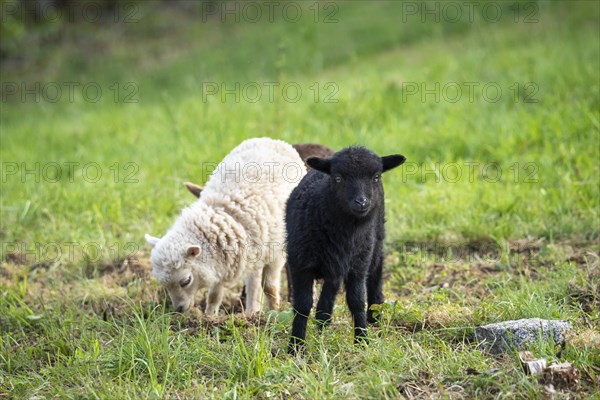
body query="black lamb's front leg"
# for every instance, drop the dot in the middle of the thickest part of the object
(326, 301)
(375, 281)
(355, 297)
(302, 284)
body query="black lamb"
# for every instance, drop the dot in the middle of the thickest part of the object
(334, 221)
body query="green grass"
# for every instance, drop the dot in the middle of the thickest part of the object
(82, 323)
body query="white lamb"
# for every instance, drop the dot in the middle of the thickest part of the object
(234, 230)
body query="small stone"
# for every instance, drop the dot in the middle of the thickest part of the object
(520, 334)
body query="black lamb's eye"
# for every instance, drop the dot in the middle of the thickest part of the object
(338, 179)
(376, 178)
(186, 281)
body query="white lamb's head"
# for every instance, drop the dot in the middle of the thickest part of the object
(176, 265)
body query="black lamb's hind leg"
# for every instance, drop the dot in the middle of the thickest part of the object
(355, 297)
(375, 282)
(302, 284)
(326, 302)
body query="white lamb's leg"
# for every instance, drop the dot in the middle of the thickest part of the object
(252, 283)
(272, 283)
(215, 297)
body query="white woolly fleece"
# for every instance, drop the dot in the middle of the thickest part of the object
(238, 221)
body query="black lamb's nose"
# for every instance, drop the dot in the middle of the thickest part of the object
(179, 309)
(361, 201)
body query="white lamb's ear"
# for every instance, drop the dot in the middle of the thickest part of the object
(152, 241)
(193, 251)
(193, 188)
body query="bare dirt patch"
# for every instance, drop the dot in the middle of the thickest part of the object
(468, 266)
(108, 289)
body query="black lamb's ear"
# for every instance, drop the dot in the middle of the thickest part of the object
(320, 164)
(390, 162)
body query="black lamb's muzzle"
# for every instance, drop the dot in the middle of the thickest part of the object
(360, 206)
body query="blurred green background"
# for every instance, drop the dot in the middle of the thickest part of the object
(494, 104)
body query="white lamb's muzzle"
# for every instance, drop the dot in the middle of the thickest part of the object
(183, 305)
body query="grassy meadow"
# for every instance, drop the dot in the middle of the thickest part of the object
(494, 216)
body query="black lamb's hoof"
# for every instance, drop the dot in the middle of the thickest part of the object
(295, 346)
(371, 319)
(361, 341)
(323, 323)
(360, 336)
